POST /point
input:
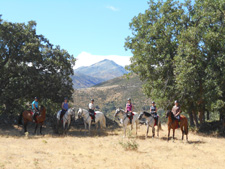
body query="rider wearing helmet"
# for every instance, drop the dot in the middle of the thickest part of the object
(176, 111)
(129, 109)
(91, 107)
(65, 107)
(153, 109)
(35, 108)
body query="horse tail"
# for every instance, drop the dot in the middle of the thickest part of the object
(103, 122)
(20, 118)
(186, 127)
(160, 126)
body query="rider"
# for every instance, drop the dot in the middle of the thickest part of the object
(176, 111)
(65, 107)
(92, 109)
(153, 111)
(128, 109)
(35, 108)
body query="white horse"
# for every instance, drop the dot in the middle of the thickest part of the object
(150, 121)
(99, 117)
(66, 118)
(124, 120)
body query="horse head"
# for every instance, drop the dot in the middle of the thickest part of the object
(80, 113)
(43, 109)
(71, 111)
(117, 112)
(140, 115)
(168, 113)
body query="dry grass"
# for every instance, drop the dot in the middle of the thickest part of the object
(103, 150)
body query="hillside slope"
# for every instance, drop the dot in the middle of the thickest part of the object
(112, 94)
(84, 81)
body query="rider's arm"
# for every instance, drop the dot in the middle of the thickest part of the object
(62, 106)
(34, 107)
(178, 113)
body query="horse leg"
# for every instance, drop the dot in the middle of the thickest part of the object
(35, 130)
(173, 133)
(153, 131)
(25, 126)
(158, 129)
(89, 128)
(41, 128)
(136, 127)
(182, 130)
(147, 131)
(124, 129)
(64, 127)
(168, 133)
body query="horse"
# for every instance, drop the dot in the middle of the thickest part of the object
(125, 120)
(99, 117)
(66, 119)
(150, 121)
(173, 124)
(27, 116)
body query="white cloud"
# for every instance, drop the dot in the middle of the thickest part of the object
(87, 59)
(112, 8)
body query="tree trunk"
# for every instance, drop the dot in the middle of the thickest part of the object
(191, 118)
(195, 119)
(207, 115)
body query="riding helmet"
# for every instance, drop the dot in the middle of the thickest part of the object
(92, 100)
(65, 98)
(129, 99)
(176, 101)
(35, 97)
(153, 102)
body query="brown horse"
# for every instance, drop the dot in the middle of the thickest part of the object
(27, 116)
(173, 124)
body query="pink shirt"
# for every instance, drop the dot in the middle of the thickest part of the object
(129, 107)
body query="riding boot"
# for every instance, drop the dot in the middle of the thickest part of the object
(94, 118)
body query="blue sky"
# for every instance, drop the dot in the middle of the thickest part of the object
(97, 27)
(85, 28)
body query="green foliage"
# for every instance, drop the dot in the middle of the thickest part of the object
(178, 51)
(31, 66)
(129, 145)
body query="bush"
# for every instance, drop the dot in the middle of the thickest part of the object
(129, 145)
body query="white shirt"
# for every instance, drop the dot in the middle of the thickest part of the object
(91, 106)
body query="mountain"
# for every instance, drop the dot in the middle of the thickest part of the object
(112, 94)
(84, 81)
(99, 72)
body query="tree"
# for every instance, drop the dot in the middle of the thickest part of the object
(178, 51)
(31, 66)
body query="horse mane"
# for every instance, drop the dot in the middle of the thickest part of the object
(172, 115)
(147, 114)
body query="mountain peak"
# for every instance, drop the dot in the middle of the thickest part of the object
(105, 70)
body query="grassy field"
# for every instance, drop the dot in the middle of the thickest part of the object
(106, 149)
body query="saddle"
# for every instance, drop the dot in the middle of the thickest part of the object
(175, 120)
(92, 115)
(130, 115)
(156, 120)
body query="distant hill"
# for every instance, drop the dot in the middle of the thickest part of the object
(84, 81)
(99, 72)
(112, 94)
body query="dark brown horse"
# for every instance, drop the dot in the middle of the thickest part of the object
(173, 124)
(27, 116)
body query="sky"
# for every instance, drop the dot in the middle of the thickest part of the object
(91, 30)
